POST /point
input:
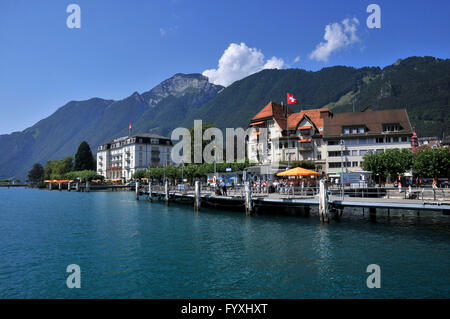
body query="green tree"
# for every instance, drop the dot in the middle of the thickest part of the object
(373, 162)
(50, 169)
(64, 166)
(432, 163)
(36, 174)
(84, 159)
(85, 175)
(140, 174)
(204, 142)
(396, 162)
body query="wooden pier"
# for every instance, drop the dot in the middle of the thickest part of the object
(328, 201)
(244, 199)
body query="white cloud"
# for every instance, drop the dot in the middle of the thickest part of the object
(239, 61)
(164, 31)
(297, 59)
(337, 35)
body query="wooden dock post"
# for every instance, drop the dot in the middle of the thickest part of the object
(77, 186)
(248, 198)
(150, 191)
(50, 186)
(323, 201)
(373, 213)
(197, 201)
(87, 186)
(136, 188)
(166, 191)
(68, 187)
(59, 186)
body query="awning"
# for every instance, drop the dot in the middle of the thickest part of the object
(305, 140)
(307, 127)
(298, 171)
(257, 123)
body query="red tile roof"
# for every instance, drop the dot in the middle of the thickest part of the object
(275, 110)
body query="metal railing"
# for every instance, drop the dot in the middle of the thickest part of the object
(290, 191)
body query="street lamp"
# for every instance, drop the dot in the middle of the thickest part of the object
(182, 171)
(214, 148)
(342, 143)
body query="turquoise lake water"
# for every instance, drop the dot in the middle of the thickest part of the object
(133, 249)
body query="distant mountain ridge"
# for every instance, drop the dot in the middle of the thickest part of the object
(98, 120)
(419, 84)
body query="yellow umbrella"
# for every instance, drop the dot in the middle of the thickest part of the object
(298, 171)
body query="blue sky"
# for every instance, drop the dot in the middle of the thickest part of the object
(126, 46)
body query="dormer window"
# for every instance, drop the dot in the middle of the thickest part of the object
(354, 129)
(391, 127)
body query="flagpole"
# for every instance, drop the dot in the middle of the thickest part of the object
(287, 131)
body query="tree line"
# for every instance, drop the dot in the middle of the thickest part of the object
(189, 171)
(432, 163)
(83, 167)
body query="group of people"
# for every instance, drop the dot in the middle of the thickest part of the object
(283, 186)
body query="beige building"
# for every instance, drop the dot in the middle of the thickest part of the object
(336, 142)
(348, 136)
(120, 158)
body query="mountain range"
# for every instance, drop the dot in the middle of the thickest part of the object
(419, 84)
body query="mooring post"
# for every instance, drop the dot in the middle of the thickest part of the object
(150, 191)
(50, 186)
(248, 198)
(373, 213)
(137, 190)
(166, 191)
(197, 201)
(77, 186)
(307, 210)
(323, 201)
(68, 187)
(87, 186)
(59, 186)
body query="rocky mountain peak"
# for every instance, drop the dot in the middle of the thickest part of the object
(178, 85)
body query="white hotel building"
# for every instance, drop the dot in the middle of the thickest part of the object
(120, 158)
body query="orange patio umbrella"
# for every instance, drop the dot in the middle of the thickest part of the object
(298, 171)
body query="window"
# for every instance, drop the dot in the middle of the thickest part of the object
(354, 130)
(333, 142)
(352, 142)
(392, 127)
(354, 164)
(395, 139)
(346, 130)
(379, 140)
(346, 153)
(362, 152)
(354, 152)
(362, 141)
(334, 165)
(334, 153)
(404, 139)
(379, 150)
(361, 130)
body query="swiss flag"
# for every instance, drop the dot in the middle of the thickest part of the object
(292, 99)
